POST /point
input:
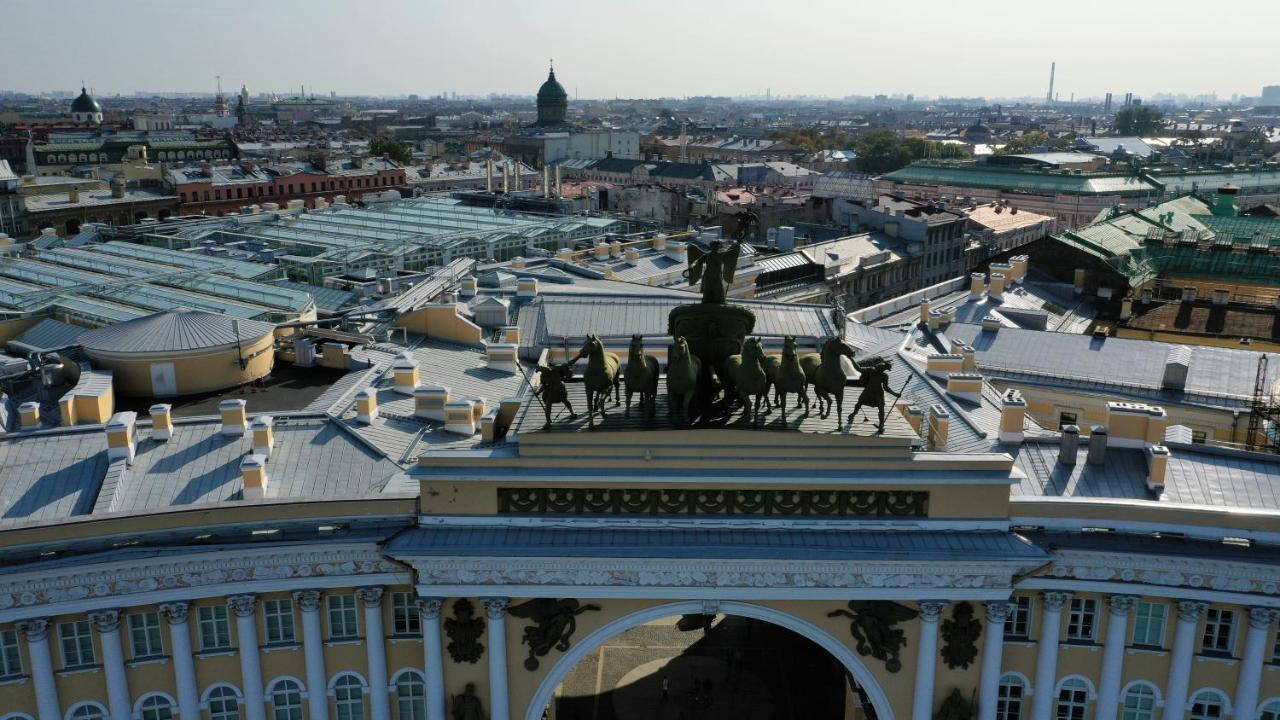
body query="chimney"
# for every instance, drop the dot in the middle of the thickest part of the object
(559, 195)
(1157, 466)
(1221, 296)
(1020, 264)
(161, 421)
(965, 385)
(502, 357)
(1097, 445)
(970, 358)
(1188, 294)
(546, 181)
(488, 175)
(660, 242)
(469, 286)
(73, 195)
(527, 288)
(253, 470)
(615, 248)
(233, 415)
(1136, 425)
(997, 287)
(631, 255)
(1078, 282)
(429, 402)
(264, 440)
(915, 417)
(121, 443)
(677, 251)
(990, 324)
(518, 263)
(602, 251)
(29, 415)
(924, 312)
(939, 427)
(117, 189)
(565, 254)
(977, 285)
(1126, 308)
(1013, 412)
(404, 372)
(1070, 445)
(460, 417)
(944, 364)
(1177, 363)
(489, 426)
(367, 405)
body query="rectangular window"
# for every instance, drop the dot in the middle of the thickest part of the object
(1067, 418)
(1080, 624)
(1218, 631)
(342, 617)
(215, 632)
(1199, 436)
(10, 658)
(278, 615)
(1148, 624)
(77, 644)
(1018, 624)
(404, 614)
(144, 633)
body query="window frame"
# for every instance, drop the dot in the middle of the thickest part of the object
(1220, 700)
(348, 614)
(1082, 611)
(417, 704)
(224, 693)
(1073, 685)
(214, 621)
(152, 633)
(83, 644)
(152, 707)
(275, 614)
(405, 603)
(1006, 701)
(1215, 621)
(349, 693)
(10, 654)
(1020, 612)
(292, 706)
(1143, 622)
(1152, 693)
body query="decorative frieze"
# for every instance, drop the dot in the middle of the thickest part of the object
(619, 501)
(1196, 573)
(370, 596)
(69, 585)
(105, 621)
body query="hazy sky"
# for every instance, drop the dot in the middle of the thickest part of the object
(648, 48)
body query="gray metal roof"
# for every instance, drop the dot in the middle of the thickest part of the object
(718, 543)
(50, 475)
(178, 330)
(48, 334)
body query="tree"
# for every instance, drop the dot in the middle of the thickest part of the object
(397, 151)
(1138, 120)
(880, 151)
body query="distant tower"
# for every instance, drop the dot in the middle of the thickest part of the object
(85, 110)
(553, 101)
(1106, 106)
(220, 101)
(1053, 69)
(244, 94)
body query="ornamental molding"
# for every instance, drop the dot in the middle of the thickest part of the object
(1203, 574)
(105, 621)
(1261, 618)
(192, 571)
(582, 572)
(998, 611)
(370, 597)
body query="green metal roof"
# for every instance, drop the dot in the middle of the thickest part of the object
(1012, 180)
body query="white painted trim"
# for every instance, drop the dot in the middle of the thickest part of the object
(1204, 532)
(1263, 705)
(16, 716)
(333, 681)
(838, 648)
(271, 686)
(71, 711)
(907, 476)
(711, 593)
(1226, 699)
(1026, 681)
(204, 697)
(704, 522)
(395, 678)
(1093, 691)
(1159, 695)
(1168, 592)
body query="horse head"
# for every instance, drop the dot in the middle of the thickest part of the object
(789, 347)
(637, 345)
(590, 346)
(753, 349)
(679, 349)
(834, 348)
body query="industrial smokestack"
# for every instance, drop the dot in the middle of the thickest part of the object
(1053, 69)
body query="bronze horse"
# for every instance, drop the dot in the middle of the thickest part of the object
(641, 376)
(601, 376)
(787, 376)
(827, 377)
(745, 378)
(683, 370)
(551, 389)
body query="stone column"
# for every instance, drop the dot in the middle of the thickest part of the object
(496, 609)
(376, 650)
(1113, 656)
(244, 607)
(433, 656)
(184, 668)
(313, 646)
(1255, 652)
(1047, 658)
(1184, 645)
(992, 657)
(36, 631)
(926, 659)
(107, 624)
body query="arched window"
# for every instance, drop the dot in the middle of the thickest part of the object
(1073, 699)
(1009, 701)
(224, 703)
(1208, 705)
(1139, 702)
(348, 696)
(155, 707)
(1270, 711)
(411, 699)
(286, 700)
(87, 711)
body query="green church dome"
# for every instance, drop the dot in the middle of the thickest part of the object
(85, 104)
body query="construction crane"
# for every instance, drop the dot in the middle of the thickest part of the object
(1264, 412)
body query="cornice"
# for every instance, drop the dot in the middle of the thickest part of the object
(1165, 570)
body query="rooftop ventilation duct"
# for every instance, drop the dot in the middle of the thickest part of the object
(1177, 363)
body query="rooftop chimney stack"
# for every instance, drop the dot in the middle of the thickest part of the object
(234, 419)
(367, 405)
(121, 442)
(1097, 445)
(939, 427)
(29, 415)
(406, 374)
(264, 439)
(1013, 412)
(1070, 445)
(161, 421)
(977, 285)
(253, 471)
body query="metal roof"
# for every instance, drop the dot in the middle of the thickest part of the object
(48, 334)
(174, 331)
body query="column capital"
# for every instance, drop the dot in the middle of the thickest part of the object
(105, 621)
(1262, 617)
(1055, 599)
(710, 607)
(34, 629)
(308, 600)
(495, 607)
(998, 611)
(1191, 610)
(1122, 605)
(243, 605)
(370, 596)
(931, 610)
(175, 613)
(429, 608)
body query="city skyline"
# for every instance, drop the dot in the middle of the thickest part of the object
(810, 50)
